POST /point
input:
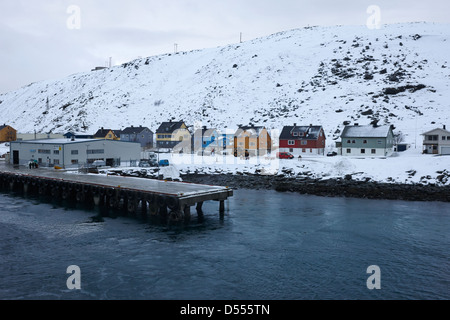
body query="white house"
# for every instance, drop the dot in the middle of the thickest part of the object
(437, 141)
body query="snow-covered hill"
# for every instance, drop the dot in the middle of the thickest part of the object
(331, 76)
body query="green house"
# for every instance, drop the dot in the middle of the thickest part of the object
(367, 141)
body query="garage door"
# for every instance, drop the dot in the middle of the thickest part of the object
(445, 150)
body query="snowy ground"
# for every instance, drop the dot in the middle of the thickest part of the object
(408, 167)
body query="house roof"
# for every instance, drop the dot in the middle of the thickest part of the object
(305, 132)
(101, 133)
(252, 129)
(368, 131)
(204, 132)
(134, 130)
(169, 127)
(437, 129)
(4, 126)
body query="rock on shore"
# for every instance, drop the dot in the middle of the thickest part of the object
(346, 187)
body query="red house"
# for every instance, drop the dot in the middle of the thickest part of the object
(303, 140)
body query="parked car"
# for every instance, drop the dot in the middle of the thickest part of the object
(332, 154)
(99, 163)
(285, 155)
(163, 163)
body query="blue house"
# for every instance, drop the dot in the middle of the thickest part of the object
(205, 139)
(140, 134)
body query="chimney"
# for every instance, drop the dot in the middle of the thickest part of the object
(295, 125)
(445, 128)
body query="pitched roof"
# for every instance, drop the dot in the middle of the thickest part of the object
(134, 130)
(204, 132)
(304, 132)
(252, 129)
(4, 126)
(435, 130)
(101, 133)
(169, 127)
(368, 131)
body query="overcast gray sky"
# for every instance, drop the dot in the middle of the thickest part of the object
(51, 39)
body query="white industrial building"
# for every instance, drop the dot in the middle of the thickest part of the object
(71, 153)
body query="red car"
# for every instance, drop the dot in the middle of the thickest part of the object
(284, 155)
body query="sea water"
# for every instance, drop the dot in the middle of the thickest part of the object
(267, 246)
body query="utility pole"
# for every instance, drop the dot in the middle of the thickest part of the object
(240, 38)
(175, 47)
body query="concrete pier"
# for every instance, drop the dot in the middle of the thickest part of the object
(167, 199)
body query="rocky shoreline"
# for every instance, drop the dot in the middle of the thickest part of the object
(345, 187)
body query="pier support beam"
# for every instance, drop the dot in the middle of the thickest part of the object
(199, 208)
(187, 213)
(222, 207)
(25, 188)
(144, 208)
(96, 200)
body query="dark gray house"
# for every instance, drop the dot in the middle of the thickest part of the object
(140, 134)
(367, 141)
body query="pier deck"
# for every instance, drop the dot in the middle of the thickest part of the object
(128, 193)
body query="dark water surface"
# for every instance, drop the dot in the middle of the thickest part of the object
(268, 246)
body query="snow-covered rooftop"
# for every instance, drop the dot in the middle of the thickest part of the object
(368, 131)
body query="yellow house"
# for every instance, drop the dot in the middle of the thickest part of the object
(108, 134)
(254, 139)
(7, 133)
(170, 134)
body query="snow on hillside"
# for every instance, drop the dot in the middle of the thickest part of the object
(330, 76)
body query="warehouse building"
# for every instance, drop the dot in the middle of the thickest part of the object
(71, 153)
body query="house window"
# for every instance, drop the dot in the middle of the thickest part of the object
(349, 150)
(374, 151)
(55, 151)
(291, 150)
(110, 136)
(56, 161)
(443, 137)
(295, 134)
(42, 151)
(348, 141)
(303, 150)
(304, 143)
(365, 141)
(74, 152)
(379, 141)
(353, 141)
(291, 143)
(74, 161)
(363, 151)
(448, 137)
